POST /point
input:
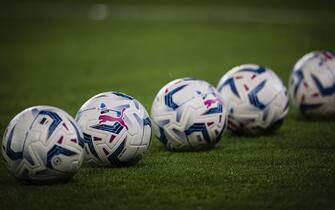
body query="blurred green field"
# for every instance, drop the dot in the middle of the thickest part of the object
(63, 62)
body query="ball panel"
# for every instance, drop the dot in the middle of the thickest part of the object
(41, 145)
(256, 98)
(114, 125)
(182, 112)
(312, 84)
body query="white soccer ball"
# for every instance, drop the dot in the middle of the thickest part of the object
(312, 84)
(116, 129)
(43, 144)
(188, 114)
(256, 98)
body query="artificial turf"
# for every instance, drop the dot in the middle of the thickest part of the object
(64, 62)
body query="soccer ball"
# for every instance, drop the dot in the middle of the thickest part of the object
(256, 99)
(188, 114)
(42, 144)
(116, 129)
(312, 84)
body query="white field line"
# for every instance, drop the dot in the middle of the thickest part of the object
(168, 13)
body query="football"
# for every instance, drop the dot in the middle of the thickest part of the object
(42, 144)
(256, 99)
(116, 129)
(188, 114)
(312, 84)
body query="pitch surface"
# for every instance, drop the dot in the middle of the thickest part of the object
(63, 61)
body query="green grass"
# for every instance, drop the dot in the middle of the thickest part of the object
(63, 62)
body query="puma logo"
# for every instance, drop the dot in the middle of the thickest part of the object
(209, 102)
(106, 118)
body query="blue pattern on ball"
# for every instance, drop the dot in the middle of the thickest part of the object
(324, 91)
(300, 75)
(168, 98)
(115, 128)
(232, 86)
(113, 158)
(260, 70)
(88, 140)
(253, 98)
(9, 152)
(58, 150)
(56, 120)
(199, 127)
